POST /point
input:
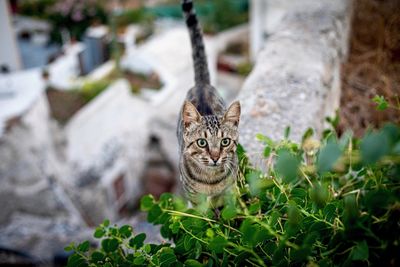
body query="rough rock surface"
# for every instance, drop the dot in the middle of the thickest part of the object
(41, 237)
(295, 81)
(36, 214)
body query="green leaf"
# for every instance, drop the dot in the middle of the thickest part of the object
(240, 152)
(97, 257)
(378, 199)
(197, 249)
(298, 192)
(166, 197)
(373, 147)
(76, 260)
(252, 234)
(125, 231)
(154, 213)
(193, 263)
(309, 132)
(254, 208)
(380, 101)
(330, 212)
(360, 251)
(334, 121)
(240, 260)
(267, 151)
(229, 212)
(70, 247)
(265, 139)
(392, 132)
(175, 227)
(217, 244)
(84, 247)
(328, 156)
(165, 231)
(294, 215)
(351, 211)
(345, 140)
(396, 149)
(110, 245)
(287, 132)
(137, 241)
(274, 218)
(319, 194)
(209, 233)
(146, 203)
(179, 203)
(147, 248)
(106, 223)
(139, 260)
(99, 233)
(260, 184)
(188, 242)
(287, 166)
(167, 257)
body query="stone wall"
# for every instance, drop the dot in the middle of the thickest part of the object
(106, 147)
(296, 78)
(37, 215)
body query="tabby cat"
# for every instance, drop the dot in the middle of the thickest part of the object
(207, 131)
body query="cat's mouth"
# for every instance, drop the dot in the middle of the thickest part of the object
(215, 165)
(209, 164)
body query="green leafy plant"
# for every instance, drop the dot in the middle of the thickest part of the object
(226, 14)
(75, 16)
(333, 202)
(130, 16)
(382, 103)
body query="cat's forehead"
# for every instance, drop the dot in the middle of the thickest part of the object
(212, 123)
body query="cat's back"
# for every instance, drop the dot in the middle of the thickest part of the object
(207, 100)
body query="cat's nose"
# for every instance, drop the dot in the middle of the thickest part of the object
(215, 160)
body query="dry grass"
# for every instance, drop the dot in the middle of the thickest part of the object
(373, 67)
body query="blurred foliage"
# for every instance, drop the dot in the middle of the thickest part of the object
(226, 14)
(334, 202)
(383, 104)
(91, 89)
(76, 19)
(244, 68)
(215, 16)
(131, 16)
(35, 8)
(75, 16)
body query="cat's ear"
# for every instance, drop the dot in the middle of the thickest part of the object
(190, 114)
(232, 115)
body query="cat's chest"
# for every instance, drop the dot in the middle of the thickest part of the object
(210, 183)
(215, 189)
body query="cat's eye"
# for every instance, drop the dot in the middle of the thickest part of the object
(225, 142)
(201, 142)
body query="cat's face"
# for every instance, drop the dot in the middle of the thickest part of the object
(210, 140)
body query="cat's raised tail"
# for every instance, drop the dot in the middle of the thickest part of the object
(202, 77)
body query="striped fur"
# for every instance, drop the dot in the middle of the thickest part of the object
(209, 169)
